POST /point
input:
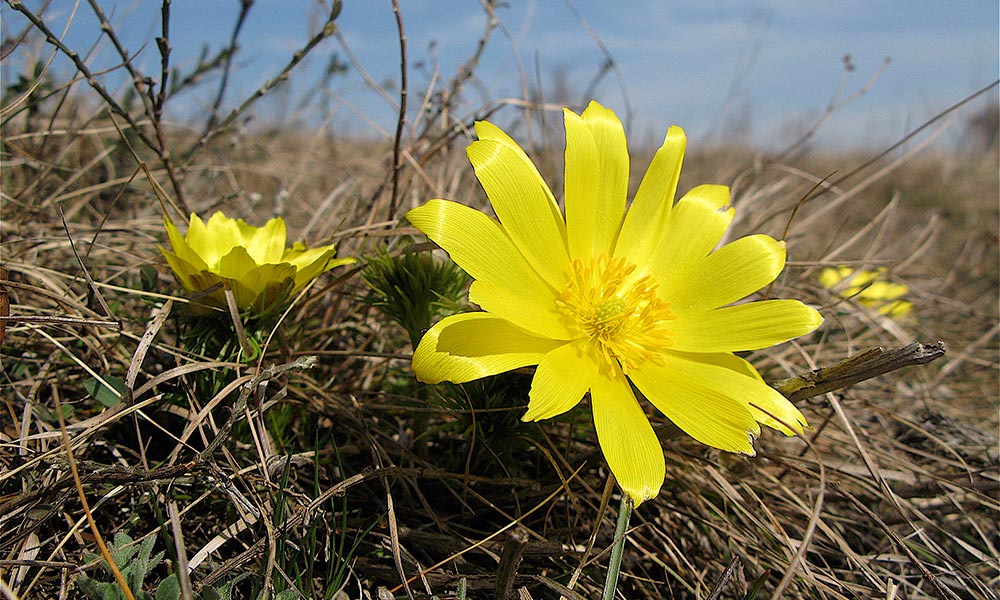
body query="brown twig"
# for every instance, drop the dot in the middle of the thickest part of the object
(82, 68)
(163, 45)
(329, 28)
(401, 121)
(8, 318)
(609, 62)
(68, 448)
(4, 303)
(140, 83)
(854, 369)
(227, 65)
(183, 577)
(143, 86)
(835, 104)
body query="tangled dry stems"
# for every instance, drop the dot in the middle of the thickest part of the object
(346, 476)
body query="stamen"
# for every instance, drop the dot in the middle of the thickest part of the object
(625, 318)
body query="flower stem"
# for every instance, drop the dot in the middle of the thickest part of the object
(624, 513)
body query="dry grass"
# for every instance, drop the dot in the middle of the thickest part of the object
(346, 476)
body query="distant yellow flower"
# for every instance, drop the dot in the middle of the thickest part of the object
(605, 298)
(868, 288)
(253, 261)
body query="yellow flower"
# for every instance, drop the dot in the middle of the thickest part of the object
(253, 261)
(869, 288)
(606, 299)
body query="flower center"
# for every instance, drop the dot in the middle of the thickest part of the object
(621, 315)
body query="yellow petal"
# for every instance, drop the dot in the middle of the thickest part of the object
(264, 244)
(627, 439)
(469, 346)
(767, 406)
(731, 273)
(505, 283)
(885, 290)
(831, 276)
(244, 296)
(646, 221)
(257, 290)
(581, 187)
(562, 378)
(697, 223)
(314, 270)
(204, 281)
(743, 327)
(182, 269)
(272, 296)
(214, 239)
(261, 280)
(304, 258)
(235, 264)
(310, 264)
(597, 164)
(708, 402)
(523, 203)
(199, 240)
(180, 246)
(896, 308)
(776, 412)
(531, 310)
(862, 278)
(488, 131)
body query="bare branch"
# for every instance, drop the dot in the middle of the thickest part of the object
(329, 28)
(402, 111)
(227, 65)
(855, 369)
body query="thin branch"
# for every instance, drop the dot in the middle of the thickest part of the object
(855, 369)
(98, 538)
(163, 45)
(522, 74)
(835, 104)
(609, 58)
(227, 65)
(916, 131)
(82, 68)
(464, 73)
(394, 202)
(143, 86)
(329, 28)
(139, 81)
(8, 318)
(369, 80)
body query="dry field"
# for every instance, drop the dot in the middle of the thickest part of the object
(283, 477)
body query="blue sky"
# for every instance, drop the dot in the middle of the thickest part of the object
(761, 68)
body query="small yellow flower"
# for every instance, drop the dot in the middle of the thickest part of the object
(609, 300)
(253, 261)
(869, 288)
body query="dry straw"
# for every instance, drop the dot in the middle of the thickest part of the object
(342, 478)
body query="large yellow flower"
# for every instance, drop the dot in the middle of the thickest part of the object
(253, 261)
(612, 301)
(869, 288)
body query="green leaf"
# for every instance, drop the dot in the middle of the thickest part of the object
(104, 395)
(92, 588)
(226, 591)
(122, 551)
(169, 589)
(142, 564)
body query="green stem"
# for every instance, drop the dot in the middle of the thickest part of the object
(624, 513)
